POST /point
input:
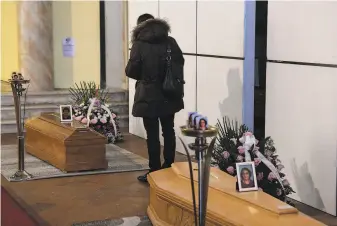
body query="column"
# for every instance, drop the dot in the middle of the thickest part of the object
(36, 43)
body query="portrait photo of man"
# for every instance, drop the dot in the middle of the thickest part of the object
(66, 113)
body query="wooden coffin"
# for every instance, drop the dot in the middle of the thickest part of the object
(171, 202)
(70, 147)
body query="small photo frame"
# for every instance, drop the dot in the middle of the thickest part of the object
(190, 121)
(66, 113)
(202, 123)
(246, 176)
(194, 120)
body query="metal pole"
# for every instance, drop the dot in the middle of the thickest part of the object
(200, 143)
(21, 141)
(17, 89)
(203, 153)
(201, 188)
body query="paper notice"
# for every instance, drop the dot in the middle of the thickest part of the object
(68, 47)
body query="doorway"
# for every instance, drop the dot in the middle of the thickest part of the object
(261, 20)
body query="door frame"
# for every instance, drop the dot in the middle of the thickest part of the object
(249, 64)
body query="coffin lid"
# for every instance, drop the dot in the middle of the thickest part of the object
(225, 204)
(50, 124)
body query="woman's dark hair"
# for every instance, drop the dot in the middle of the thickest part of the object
(245, 169)
(203, 120)
(144, 17)
(66, 109)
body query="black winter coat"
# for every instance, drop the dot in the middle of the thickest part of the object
(147, 65)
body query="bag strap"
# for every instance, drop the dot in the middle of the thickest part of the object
(168, 51)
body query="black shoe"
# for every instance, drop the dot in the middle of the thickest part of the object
(165, 166)
(143, 178)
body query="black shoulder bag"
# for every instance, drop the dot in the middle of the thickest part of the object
(173, 85)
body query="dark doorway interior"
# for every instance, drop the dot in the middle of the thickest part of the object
(102, 44)
(260, 68)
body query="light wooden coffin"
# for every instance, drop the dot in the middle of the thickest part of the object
(70, 147)
(171, 202)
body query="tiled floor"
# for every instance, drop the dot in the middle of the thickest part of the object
(63, 201)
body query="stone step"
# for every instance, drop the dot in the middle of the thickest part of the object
(9, 126)
(58, 97)
(49, 101)
(8, 112)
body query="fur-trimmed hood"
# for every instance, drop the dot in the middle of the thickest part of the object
(152, 30)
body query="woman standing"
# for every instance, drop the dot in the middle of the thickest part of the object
(147, 65)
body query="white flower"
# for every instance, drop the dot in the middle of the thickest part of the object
(82, 104)
(234, 140)
(280, 167)
(107, 105)
(99, 116)
(85, 107)
(242, 140)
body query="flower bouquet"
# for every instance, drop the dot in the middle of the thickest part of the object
(233, 147)
(90, 107)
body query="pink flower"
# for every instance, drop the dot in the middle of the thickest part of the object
(113, 115)
(103, 120)
(257, 161)
(93, 121)
(248, 134)
(239, 158)
(259, 176)
(285, 182)
(84, 120)
(230, 170)
(271, 176)
(278, 192)
(241, 150)
(79, 118)
(226, 154)
(97, 103)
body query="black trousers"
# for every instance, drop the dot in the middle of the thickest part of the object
(153, 144)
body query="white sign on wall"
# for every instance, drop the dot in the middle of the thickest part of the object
(68, 47)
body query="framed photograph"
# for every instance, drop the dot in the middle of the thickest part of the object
(190, 121)
(246, 176)
(202, 123)
(66, 113)
(194, 118)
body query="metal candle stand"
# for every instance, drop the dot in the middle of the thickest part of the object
(203, 153)
(17, 81)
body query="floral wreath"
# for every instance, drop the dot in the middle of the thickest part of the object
(90, 108)
(237, 144)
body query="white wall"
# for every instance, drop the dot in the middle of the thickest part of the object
(301, 101)
(219, 80)
(213, 84)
